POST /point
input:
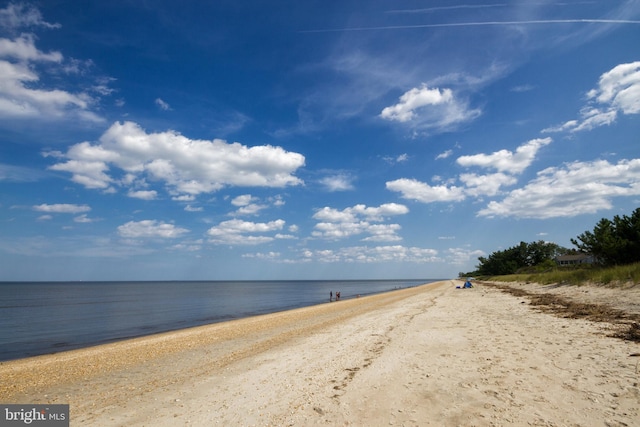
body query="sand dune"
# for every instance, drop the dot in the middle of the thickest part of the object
(430, 355)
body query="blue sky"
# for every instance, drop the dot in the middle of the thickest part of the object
(145, 140)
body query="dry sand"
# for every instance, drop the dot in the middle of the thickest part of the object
(430, 355)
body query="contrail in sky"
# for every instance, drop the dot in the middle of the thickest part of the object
(478, 24)
(475, 6)
(435, 9)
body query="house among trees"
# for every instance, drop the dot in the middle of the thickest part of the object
(563, 260)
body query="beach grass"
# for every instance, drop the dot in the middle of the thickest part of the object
(622, 275)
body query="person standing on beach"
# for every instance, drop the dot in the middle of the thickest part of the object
(330, 296)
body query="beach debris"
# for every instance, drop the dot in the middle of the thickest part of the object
(628, 324)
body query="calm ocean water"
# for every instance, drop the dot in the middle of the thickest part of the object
(41, 317)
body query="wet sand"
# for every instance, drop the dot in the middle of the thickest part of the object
(430, 355)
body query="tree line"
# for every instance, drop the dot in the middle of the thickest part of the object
(611, 242)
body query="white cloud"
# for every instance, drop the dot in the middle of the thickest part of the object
(190, 208)
(383, 233)
(23, 49)
(62, 208)
(243, 200)
(263, 255)
(414, 99)
(184, 198)
(372, 254)
(83, 219)
(339, 182)
(248, 205)
(505, 160)
(22, 94)
(19, 15)
(578, 188)
(339, 230)
(162, 104)
(371, 213)
(277, 200)
(90, 174)
(150, 229)
(430, 108)
(462, 256)
(250, 209)
(281, 236)
(189, 246)
(238, 232)
(186, 166)
(618, 91)
(419, 191)
(334, 224)
(143, 194)
(398, 159)
(620, 88)
(489, 185)
(444, 154)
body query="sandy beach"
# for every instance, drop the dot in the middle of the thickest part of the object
(429, 355)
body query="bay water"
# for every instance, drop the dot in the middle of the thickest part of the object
(47, 317)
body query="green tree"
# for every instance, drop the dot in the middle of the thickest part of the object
(523, 255)
(613, 242)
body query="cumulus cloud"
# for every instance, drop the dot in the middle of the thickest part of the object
(250, 209)
(575, 189)
(22, 95)
(62, 208)
(150, 229)
(238, 232)
(249, 205)
(185, 166)
(505, 160)
(618, 92)
(507, 163)
(413, 189)
(620, 88)
(430, 108)
(372, 254)
(370, 212)
(243, 200)
(414, 99)
(143, 194)
(337, 224)
(263, 255)
(485, 185)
